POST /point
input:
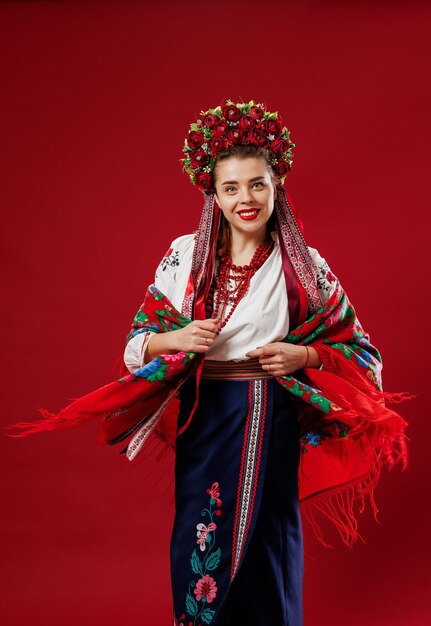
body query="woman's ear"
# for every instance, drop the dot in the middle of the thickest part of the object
(216, 199)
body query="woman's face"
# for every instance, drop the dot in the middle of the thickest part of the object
(245, 186)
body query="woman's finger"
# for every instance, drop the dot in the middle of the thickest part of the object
(207, 324)
(273, 359)
(206, 335)
(279, 372)
(206, 341)
(270, 367)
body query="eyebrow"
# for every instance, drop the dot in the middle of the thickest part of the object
(235, 182)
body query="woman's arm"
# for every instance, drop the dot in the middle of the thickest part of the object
(137, 354)
(174, 261)
(197, 336)
(313, 357)
(160, 343)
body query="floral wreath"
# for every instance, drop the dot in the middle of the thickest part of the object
(230, 125)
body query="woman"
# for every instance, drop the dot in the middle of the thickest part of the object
(211, 452)
(248, 359)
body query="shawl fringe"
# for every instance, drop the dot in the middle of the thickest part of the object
(50, 422)
(338, 505)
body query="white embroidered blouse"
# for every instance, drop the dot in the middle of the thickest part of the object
(261, 316)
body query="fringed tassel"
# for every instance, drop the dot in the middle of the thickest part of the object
(50, 421)
(386, 436)
(396, 396)
(156, 449)
(338, 506)
(332, 364)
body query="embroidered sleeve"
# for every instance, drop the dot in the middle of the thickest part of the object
(135, 351)
(167, 277)
(326, 280)
(169, 268)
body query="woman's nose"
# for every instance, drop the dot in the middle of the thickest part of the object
(246, 195)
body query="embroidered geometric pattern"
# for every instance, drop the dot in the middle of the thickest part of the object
(250, 467)
(143, 433)
(200, 254)
(298, 251)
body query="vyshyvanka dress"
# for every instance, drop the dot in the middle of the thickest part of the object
(236, 547)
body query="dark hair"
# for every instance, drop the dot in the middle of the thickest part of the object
(241, 152)
(245, 152)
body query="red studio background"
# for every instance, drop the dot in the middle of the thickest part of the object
(96, 101)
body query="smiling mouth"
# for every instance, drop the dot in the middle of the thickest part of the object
(248, 211)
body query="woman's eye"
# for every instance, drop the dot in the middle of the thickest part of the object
(232, 189)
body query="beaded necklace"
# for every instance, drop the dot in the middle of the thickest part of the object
(217, 303)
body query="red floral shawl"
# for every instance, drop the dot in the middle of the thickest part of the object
(347, 431)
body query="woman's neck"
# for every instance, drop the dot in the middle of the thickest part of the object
(243, 245)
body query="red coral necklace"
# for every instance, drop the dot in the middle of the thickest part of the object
(241, 274)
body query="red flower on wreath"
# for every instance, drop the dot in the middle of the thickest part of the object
(273, 126)
(195, 139)
(231, 112)
(257, 137)
(256, 113)
(203, 180)
(280, 145)
(246, 122)
(220, 128)
(209, 120)
(235, 135)
(281, 168)
(217, 144)
(198, 158)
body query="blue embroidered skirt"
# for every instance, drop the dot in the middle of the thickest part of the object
(236, 548)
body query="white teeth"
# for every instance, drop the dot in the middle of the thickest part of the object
(248, 212)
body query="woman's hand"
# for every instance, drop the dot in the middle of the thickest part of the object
(197, 336)
(281, 358)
